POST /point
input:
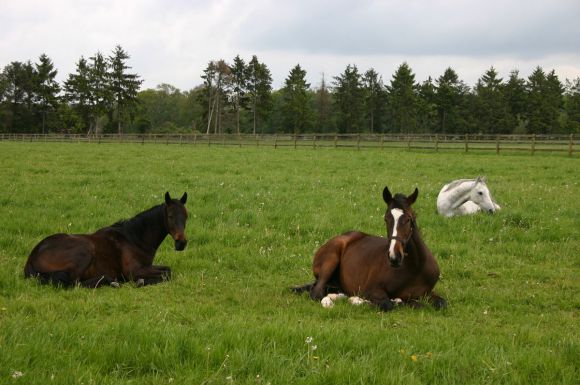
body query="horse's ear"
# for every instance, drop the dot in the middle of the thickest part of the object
(167, 198)
(478, 180)
(413, 197)
(183, 198)
(387, 197)
(484, 179)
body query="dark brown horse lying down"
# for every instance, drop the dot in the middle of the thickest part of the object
(117, 253)
(379, 269)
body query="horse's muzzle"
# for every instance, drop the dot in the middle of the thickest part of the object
(180, 244)
(395, 262)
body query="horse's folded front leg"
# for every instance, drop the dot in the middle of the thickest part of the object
(165, 269)
(149, 275)
(382, 300)
(436, 301)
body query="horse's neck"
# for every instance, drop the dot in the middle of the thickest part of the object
(460, 194)
(149, 231)
(417, 250)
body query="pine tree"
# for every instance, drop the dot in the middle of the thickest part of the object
(349, 99)
(515, 98)
(296, 106)
(259, 91)
(123, 86)
(100, 88)
(544, 101)
(18, 94)
(78, 93)
(323, 105)
(427, 107)
(375, 98)
(402, 100)
(46, 88)
(451, 97)
(240, 74)
(491, 109)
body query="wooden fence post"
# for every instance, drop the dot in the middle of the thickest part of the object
(335, 140)
(276, 141)
(436, 142)
(314, 142)
(466, 142)
(295, 141)
(497, 144)
(571, 144)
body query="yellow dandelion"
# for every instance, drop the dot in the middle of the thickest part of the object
(429, 354)
(414, 357)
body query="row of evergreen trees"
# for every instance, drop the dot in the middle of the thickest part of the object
(238, 97)
(100, 93)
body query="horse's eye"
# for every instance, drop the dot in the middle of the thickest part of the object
(480, 193)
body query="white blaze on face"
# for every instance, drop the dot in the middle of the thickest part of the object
(396, 213)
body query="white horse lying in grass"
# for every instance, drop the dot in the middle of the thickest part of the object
(465, 196)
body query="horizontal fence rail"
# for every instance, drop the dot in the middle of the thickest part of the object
(433, 142)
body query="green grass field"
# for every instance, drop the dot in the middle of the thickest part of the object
(256, 217)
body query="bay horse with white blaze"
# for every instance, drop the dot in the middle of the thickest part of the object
(379, 269)
(121, 252)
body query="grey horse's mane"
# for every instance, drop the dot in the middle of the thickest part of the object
(457, 182)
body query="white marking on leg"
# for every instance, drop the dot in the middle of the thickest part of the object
(357, 300)
(396, 213)
(336, 296)
(326, 302)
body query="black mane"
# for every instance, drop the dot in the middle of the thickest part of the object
(135, 229)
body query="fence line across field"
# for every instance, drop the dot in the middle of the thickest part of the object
(434, 142)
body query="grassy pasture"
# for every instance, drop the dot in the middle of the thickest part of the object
(256, 217)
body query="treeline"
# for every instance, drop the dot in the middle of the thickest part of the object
(237, 97)
(100, 96)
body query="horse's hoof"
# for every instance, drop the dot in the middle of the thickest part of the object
(440, 303)
(115, 284)
(326, 302)
(386, 305)
(140, 282)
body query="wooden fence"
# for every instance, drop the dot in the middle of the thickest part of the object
(430, 142)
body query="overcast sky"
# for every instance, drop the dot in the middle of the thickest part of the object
(171, 41)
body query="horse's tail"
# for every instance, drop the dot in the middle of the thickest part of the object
(56, 278)
(302, 289)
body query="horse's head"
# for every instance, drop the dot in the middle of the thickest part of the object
(481, 196)
(175, 218)
(400, 222)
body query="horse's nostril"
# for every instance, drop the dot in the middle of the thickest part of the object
(180, 244)
(491, 211)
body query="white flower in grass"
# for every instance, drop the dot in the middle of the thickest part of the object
(17, 374)
(314, 347)
(308, 340)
